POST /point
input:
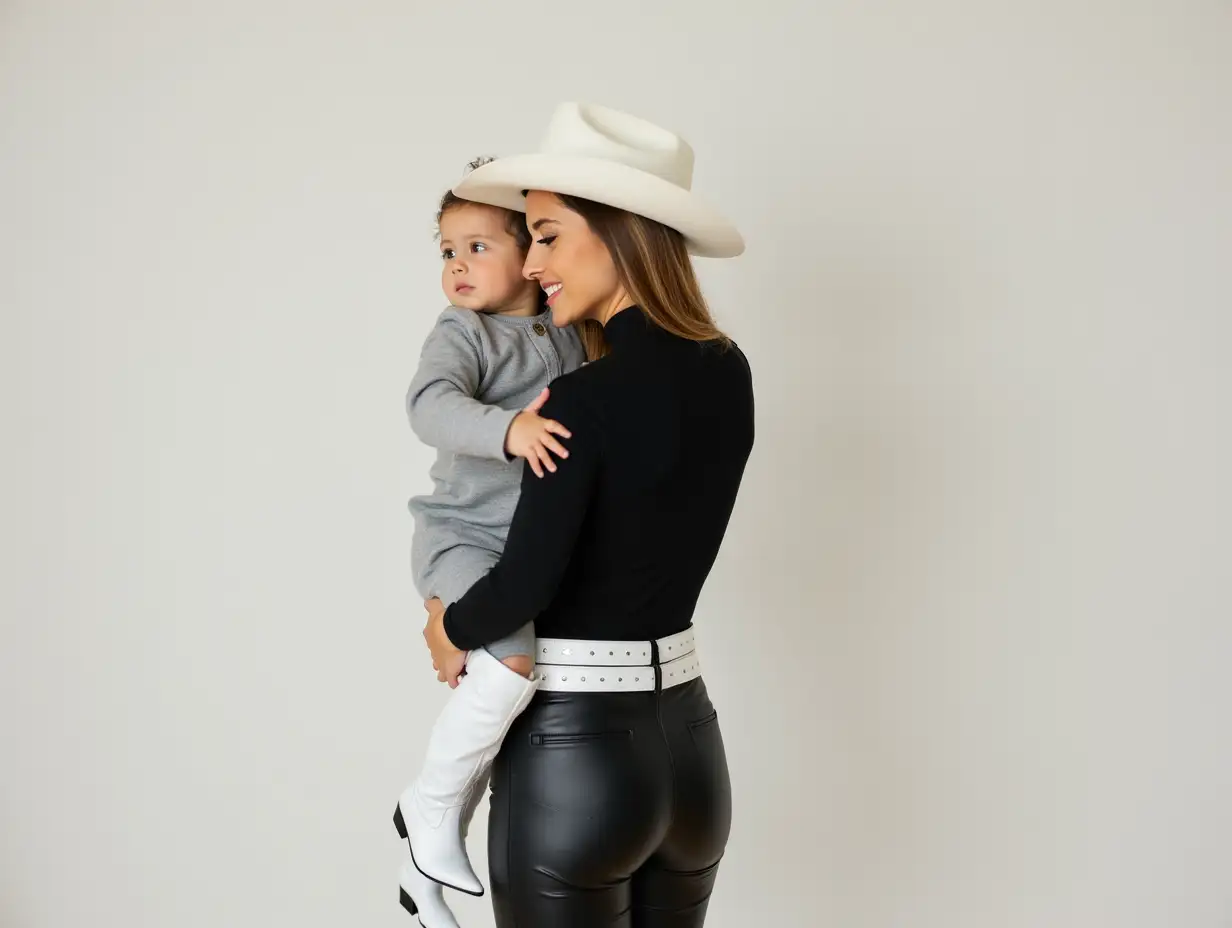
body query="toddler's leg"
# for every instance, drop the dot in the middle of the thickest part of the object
(464, 741)
(434, 812)
(516, 651)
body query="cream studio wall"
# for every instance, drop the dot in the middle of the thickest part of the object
(969, 630)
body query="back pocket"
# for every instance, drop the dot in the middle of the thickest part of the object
(557, 739)
(702, 722)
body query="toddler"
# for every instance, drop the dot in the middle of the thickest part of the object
(482, 376)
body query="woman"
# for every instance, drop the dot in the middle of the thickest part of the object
(611, 801)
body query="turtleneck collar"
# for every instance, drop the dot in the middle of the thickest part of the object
(627, 326)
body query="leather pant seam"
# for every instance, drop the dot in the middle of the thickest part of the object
(667, 744)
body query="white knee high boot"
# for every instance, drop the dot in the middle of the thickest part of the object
(423, 896)
(478, 791)
(434, 810)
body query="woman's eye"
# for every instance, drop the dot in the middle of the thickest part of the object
(547, 240)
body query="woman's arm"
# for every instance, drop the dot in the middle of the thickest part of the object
(545, 524)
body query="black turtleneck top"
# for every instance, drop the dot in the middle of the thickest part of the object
(618, 542)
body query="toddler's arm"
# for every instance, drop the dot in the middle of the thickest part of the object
(441, 400)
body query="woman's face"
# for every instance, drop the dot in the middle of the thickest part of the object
(570, 263)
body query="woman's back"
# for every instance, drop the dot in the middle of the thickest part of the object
(674, 423)
(617, 543)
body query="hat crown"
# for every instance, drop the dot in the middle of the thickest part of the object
(593, 131)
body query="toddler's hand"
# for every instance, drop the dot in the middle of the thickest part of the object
(532, 437)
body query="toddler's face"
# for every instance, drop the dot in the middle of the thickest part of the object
(483, 265)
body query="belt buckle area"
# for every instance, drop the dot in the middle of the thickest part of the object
(593, 665)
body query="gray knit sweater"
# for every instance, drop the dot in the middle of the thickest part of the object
(476, 372)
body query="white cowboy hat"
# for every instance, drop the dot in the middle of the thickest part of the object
(611, 157)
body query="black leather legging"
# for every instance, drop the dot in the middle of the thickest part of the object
(609, 810)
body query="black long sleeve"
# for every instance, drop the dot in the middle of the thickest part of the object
(545, 525)
(619, 541)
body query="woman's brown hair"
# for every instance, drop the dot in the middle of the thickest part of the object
(653, 263)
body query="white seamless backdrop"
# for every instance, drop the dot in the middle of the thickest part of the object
(969, 632)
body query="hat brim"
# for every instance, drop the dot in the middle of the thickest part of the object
(707, 233)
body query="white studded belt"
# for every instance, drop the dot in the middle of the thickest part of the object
(581, 664)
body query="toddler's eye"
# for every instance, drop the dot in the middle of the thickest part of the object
(478, 246)
(447, 254)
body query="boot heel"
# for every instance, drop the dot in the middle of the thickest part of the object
(407, 902)
(399, 823)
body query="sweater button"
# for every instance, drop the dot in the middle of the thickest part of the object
(539, 329)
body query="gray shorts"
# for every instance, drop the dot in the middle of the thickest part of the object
(450, 573)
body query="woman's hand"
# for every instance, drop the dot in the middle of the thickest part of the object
(448, 662)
